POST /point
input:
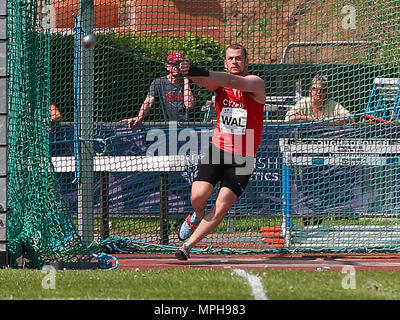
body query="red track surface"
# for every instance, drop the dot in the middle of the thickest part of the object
(264, 261)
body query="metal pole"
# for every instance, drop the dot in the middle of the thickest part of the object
(286, 200)
(164, 224)
(86, 81)
(104, 217)
(3, 134)
(322, 44)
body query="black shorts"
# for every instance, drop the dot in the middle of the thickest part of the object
(233, 171)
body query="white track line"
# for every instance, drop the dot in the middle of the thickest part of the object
(255, 284)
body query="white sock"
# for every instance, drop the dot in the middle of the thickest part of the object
(193, 219)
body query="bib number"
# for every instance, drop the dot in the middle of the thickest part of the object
(233, 121)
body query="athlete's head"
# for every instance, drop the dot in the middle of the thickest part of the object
(236, 60)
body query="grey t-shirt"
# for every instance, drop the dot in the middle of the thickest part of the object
(171, 98)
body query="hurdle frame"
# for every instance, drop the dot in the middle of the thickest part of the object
(295, 235)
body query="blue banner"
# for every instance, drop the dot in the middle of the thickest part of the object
(317, 188)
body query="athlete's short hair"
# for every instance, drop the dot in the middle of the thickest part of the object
(236, 46)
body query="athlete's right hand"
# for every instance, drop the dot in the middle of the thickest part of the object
(184, 67)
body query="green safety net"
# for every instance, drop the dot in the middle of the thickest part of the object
(82, 182)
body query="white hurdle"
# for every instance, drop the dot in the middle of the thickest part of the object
(108, 164)
(369, 153)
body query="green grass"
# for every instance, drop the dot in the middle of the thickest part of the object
(123, 284)
(327, 285)
(194, 284)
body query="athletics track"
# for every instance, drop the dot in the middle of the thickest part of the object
(263, 261)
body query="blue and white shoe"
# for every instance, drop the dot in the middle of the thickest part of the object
(183, 252)
(188, 226)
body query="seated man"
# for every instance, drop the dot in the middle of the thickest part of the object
(317, 107)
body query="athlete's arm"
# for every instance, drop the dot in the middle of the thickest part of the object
(249, 83)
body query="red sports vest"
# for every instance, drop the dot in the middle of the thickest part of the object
(239, 122)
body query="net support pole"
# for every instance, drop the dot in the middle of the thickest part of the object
(104, 218)
(86, 82)
(286, 200)
(3, 135)
(164, 224)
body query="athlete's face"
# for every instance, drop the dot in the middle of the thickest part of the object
(235, 61)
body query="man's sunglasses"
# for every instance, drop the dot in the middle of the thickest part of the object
(176, 63)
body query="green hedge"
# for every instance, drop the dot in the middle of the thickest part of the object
(124, 67)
